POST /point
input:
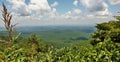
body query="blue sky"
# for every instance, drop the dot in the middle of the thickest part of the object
(61, 12)
(63, 6)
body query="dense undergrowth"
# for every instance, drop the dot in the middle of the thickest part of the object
(105, 48)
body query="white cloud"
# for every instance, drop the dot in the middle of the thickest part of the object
(75, 2)
(77, 11)
(115, 2)
(103, 13)
(20, 7)
(74, 14)
(97, 7)
(39, 7)
(54, 4)
(94, 5)
(54, 13)
(39, 12)
(100, 14)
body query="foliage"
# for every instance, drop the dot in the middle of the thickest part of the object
(107, 30)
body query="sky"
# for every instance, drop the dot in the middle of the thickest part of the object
(61, 12)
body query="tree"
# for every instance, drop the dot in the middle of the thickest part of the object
(107, 30)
